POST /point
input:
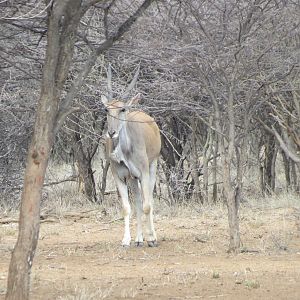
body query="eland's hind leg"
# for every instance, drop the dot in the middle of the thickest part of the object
(151, 239)
(134, 184)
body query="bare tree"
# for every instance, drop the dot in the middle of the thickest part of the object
(63, 20)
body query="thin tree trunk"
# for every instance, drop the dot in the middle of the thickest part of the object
(232, 201)
(241, 157)
(273, 169)
(261, 178)
(226, 158)
(294, 178)
(37, 161)
(215, 170)
(207, 151)
(85, 171)
(197, 197)
(232, 205)
(233, 220)
(87, 175)
(105, 169)
(268, 165)
(205, 178)
(171, 201)
(287, 170)
(83, 160)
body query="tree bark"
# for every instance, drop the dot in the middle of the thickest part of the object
(37, 161)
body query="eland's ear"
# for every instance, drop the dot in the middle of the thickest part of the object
(135, 99)
(104, 99)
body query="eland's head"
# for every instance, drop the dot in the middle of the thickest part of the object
(116, 111)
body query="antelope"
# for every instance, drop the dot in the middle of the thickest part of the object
(133, 146)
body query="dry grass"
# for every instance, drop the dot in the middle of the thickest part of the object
(82, 258)
(84, 238)
(85, 293)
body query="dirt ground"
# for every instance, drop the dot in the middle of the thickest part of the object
(79, 257)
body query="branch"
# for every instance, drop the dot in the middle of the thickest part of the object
(63, 115)
(13, 63)
(124, 27)
(289, 153)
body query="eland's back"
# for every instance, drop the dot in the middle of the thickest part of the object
(144, 133)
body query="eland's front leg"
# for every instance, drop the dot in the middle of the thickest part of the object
(123, 190)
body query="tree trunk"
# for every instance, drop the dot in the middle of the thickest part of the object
(58, 58)
(85, 173)
(197, 197)
(105, 168)
(207, 152)
(172, 155)
(233, 219)
(273, 169)
(294, 177)
(205, 178)
(227, 156)
(83, 160)
(287, 170)
(241, 158)
(226, 136)
(37, 161)
(232, 206)
(268, 165)
(215, 170)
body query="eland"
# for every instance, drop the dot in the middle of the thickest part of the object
(133, 146)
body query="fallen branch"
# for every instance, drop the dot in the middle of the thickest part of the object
(110, 192)
(8, 221)
(71, 178)
(114, 220)
(43, 219)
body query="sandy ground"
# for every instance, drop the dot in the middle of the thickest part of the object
(80, 257)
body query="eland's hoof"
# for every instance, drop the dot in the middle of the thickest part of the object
(139, 244)
(125, 246)
(152, 243)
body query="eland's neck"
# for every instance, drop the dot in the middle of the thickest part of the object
(124, 137)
